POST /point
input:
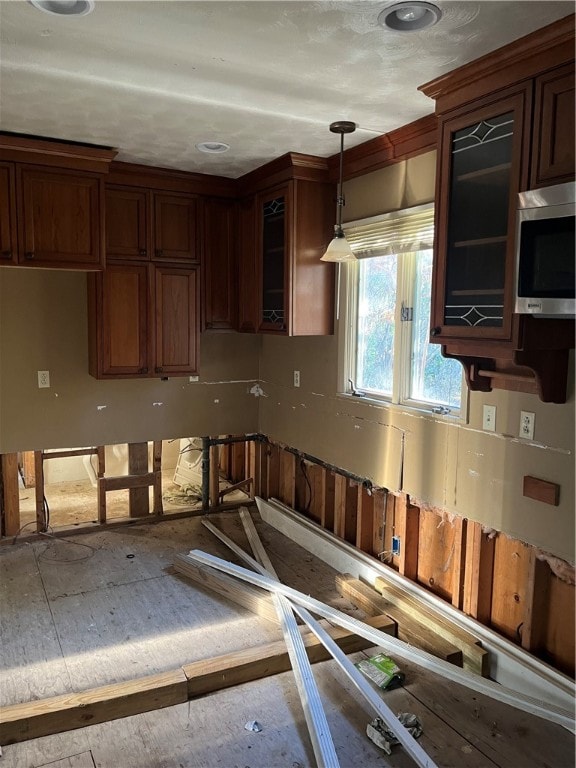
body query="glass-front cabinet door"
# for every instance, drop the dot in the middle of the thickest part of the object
(480, 181)
(273, 210)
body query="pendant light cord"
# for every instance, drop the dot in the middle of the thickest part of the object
(340, 198)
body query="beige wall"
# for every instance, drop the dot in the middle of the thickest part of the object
(43, 326)
(454, 466)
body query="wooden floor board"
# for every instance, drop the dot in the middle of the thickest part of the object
(505, 736)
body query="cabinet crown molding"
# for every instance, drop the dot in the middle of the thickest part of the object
(527, 57)
(53, 152)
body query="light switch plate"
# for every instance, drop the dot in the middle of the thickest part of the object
(489, 418)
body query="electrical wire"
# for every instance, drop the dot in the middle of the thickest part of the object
(42, 555)
(305, 473)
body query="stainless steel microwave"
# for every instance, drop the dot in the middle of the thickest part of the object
(545, 252)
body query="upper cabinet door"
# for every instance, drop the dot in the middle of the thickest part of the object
(553, 148)
(7, 215)
(176, 320)
(122, 306)
(274, 248)
(126, 224)
(175, 228)
(480, 176)
(248, 269)
(60, 219)
(220, 284)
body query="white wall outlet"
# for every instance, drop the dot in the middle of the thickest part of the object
(527, 425)
(489, 418)
(194, 378)
(296, 378)
(43, 379)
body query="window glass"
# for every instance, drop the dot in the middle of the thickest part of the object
(388, 315)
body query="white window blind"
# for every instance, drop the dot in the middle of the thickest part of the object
(399, 232)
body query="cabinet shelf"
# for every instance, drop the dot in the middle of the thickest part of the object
(486, 174)
(480, 241)
(478, 292)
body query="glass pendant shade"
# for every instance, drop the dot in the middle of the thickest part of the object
(339, 250)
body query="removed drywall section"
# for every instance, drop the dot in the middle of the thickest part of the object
(43, 326)
(338, 431)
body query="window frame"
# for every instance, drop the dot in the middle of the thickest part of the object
(347, 319)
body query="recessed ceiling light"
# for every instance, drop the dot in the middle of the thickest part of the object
(64, 7)
(409, 16)
(213, 147)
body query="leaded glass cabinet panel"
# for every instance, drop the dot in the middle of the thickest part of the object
(480, 180)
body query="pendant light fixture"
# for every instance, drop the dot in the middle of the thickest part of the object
(339, 249)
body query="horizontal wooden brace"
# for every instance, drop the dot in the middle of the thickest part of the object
(65, 454)
(125, 482)
(43, 717)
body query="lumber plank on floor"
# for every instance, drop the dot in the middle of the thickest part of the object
(254, 599)
(208, 675)
(409, 630)
(44, 717)
(475, 658)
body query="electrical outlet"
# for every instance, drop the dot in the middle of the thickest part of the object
(489, 418)
(296, 378)
(395, 545)
(43, 379)
(526, 425)
(194, 378)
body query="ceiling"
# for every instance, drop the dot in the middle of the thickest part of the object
(152, 79)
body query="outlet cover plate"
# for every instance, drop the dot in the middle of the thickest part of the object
(43, 379)
(526, 425)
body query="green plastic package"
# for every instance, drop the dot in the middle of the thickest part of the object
(382, 670)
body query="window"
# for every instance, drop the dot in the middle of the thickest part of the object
(388, 292)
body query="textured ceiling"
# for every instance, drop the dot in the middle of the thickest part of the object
(152, 79)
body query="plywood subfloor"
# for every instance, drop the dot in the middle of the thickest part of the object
(106, 607)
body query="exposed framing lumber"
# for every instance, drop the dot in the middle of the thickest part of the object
(11, 497)
(536, 612)
(474, 658)
(459, 562)
(253, 599)
(509, 663)
(28, 469)
(214, 481)
(409, 629)
(328, 497)
(486, 687)
(478, 572)
(139, 504)
(364, 520)
(407, 527)
(378, 523)
(44, 717)
(39, 491)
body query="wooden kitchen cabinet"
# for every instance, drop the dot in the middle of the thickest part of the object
(248, 270)
(144, 224)
(553, 148)
(296, 290)
(219, 264)
(177, 321)
(479, 177)
(506, 124)
(286, 220)
(143, 321)
(8, 241)
(60, 219)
